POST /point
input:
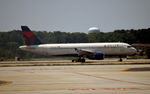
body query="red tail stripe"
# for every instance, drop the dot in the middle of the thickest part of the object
(31, 36)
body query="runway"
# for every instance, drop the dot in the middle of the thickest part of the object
(61, 62)
(87, 79)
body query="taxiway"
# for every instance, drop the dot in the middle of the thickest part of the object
(87, 79)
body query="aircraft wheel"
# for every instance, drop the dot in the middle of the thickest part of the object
(120, 59)
(73, 60)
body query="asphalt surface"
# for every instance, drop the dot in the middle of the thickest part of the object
(87, 79)
(109, 61)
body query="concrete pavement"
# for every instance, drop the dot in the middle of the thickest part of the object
(87, 79)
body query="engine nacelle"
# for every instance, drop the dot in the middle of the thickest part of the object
(97, 56)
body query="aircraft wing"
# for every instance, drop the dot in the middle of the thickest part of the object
(84, 52)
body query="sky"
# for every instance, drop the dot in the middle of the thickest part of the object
(74, 15)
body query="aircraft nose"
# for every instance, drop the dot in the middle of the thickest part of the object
(134, 50)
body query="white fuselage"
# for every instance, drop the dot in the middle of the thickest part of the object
(69, 49)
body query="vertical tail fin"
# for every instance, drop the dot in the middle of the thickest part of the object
(29, 37)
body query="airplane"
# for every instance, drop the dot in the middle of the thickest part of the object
(95, 51)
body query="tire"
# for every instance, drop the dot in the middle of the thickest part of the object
(120, 60)
(73, 60)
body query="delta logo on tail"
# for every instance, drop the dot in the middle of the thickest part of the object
(29, 37)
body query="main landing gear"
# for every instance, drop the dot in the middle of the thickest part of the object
(80, 59)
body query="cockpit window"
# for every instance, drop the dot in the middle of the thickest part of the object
(129, 46)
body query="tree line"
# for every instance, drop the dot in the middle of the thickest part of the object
(11, 40)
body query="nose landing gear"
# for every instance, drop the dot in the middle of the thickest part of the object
(120, 60)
